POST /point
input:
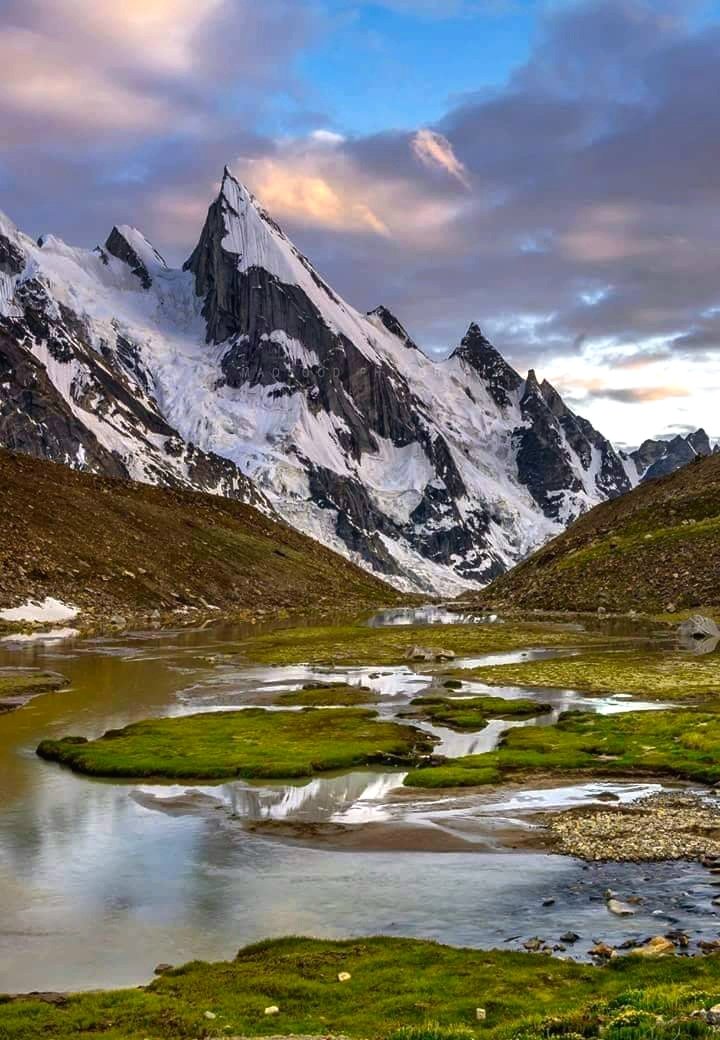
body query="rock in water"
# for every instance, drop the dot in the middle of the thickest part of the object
(616, 906)
(659, 946)
(699, 627)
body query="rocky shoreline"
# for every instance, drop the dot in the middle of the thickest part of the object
(664, 826)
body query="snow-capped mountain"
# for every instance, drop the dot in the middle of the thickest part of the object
(246, 374)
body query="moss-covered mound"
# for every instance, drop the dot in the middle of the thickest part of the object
(675, 743)
(474, 713)
(653, 674)
(253, 743)
(428, 991)
(647, 550)
(359, 644)
(17, 688)
(328, 695)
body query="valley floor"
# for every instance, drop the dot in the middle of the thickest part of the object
(534, 793)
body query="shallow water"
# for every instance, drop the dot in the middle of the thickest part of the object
(100, 881)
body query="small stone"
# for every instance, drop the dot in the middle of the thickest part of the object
(272, 1010)
(480, 1014)
(569, 937)
(615, 906)
(210, 1015)
(344, 976)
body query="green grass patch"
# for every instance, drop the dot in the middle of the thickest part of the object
(473, 713)
(328, 695)
(650, 673)
(675, 743)
(17, 687)
(358, 644)
(253, 743)
(399, 988)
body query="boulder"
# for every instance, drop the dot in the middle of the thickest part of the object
(428, 653)
(712, 1016)
(658, 946)
(699, 627)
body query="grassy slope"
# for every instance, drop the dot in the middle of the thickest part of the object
(111, 546)
(395, 983)
(253, 743)
(656, 546)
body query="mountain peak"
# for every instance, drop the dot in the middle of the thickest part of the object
(130, 246)
(386, 318)
(477, 352)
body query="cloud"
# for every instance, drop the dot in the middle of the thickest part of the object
(641, 394)
(80, 67)
(293, 190)
(572, 210)
(436, 152)
(324, 181)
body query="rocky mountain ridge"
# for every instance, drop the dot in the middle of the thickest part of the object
(244, 374)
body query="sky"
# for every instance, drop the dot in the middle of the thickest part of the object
(547, 168)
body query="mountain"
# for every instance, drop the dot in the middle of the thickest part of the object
(658, 458)
(653, 549)
(246, 375)
(115, 547)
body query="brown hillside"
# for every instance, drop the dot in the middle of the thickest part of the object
(113, 547)
(655, 547)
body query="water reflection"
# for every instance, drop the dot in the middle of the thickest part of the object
(428, 615)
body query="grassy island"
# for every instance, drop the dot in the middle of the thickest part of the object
(252, 743)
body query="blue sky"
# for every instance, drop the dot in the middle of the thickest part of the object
(547, 169)
(377, 68)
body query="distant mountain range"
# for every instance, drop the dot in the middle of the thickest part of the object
(244, 374)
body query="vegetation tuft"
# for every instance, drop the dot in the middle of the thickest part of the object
(474, 713)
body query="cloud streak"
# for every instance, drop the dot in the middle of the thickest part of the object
(436, 152)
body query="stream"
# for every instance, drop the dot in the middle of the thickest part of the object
(100, 881)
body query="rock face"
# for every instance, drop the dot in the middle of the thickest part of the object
(247, 375)
(79, 391)
(658, 458)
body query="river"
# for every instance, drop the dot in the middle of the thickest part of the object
(101, 881)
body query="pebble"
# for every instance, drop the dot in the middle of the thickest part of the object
(272, 1010)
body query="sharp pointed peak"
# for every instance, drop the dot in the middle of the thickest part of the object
(130, 246)
(393, 324)
(532, 384)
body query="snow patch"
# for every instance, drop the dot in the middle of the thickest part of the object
(49, 610)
